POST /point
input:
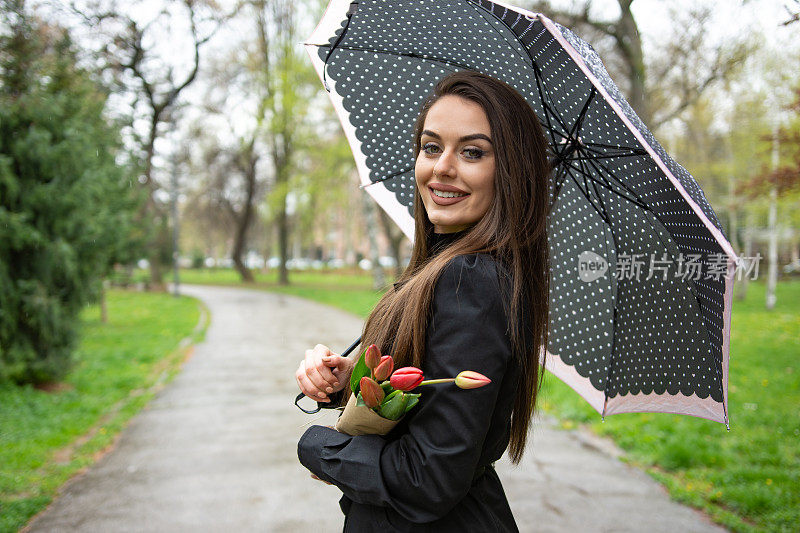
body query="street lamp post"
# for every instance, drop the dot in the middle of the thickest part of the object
(175, 225)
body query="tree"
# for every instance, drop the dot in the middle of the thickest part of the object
(227, 186)
(395, 236)
(793, 13)
(779, 180)
(661, 87)
(289, 84)
(65, 204)
(128, 54)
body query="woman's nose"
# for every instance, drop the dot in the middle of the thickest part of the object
(444, 164)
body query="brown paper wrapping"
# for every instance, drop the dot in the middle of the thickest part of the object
(361, 420)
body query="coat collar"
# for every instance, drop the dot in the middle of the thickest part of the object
(438, 242)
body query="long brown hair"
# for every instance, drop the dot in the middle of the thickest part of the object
(513, 230)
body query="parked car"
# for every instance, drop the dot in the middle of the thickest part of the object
(298, 263)
(387, 261)
(254, 260)
(336, 263)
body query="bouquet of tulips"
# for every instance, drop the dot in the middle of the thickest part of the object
(380, 396)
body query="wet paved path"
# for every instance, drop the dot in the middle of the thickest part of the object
(216, 450)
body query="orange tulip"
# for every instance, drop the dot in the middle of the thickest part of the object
(384, 369)
(471, 380)
(372, 357)
(371, 392)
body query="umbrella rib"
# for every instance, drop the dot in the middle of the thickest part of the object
(599, 168)
(596, 192)
(582, 114)
(547, 103)
(598, 202)
(403, 54)
(637, 151)
(599, 157)
(549, 127)
(479, 9)
(350, 12)
(390, 176)
(537, 73)
(558, 181)
(586, 194)
(609, 150)
(607, 184)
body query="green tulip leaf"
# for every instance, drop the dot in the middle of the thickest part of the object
(360, 400)
(390, 396)
(395, 407)
(412, 401)
(359, 371)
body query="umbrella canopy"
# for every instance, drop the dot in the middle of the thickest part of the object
(642, 273)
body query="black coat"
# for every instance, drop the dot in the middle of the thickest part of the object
(427, 473)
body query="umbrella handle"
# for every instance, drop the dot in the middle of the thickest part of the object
(320, 404)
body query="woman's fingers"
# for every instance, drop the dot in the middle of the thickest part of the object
(322, 372)
(307, 386)
(317, 371)
(318, 479)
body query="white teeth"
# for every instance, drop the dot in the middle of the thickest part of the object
(443, 194)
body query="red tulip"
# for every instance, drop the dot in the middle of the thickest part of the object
(372, 357)
(384, 369)
(471, 380)
(371, 392)
(406, 378)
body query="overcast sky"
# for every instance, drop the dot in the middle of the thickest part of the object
(732, 18)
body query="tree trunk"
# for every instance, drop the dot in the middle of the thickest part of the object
(733, 211)
(283, 244)
(103, 305)
(772, 251)
(741, 286)
(630, 44)
(245, 219)
(156, 274)
(378, 279)
(268, 251)
(238, 263)
(395, 237)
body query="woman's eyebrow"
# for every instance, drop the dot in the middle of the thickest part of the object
(462, 139)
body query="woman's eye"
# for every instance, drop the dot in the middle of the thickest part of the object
(471, 153)
(428, 147)
(474, 153)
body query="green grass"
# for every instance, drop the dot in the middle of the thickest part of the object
(46, 437)
(747, 479)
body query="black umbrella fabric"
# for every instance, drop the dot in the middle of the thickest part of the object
(642, 273)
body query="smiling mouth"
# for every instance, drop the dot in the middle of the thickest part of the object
(446, 194)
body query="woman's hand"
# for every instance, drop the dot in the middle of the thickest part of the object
(323, 372)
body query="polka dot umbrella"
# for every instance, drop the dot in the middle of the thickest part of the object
(642, 273)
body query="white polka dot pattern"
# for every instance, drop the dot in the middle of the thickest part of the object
(624, 335)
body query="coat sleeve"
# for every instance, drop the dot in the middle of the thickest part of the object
(428, 470)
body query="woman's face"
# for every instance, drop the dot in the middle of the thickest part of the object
(455, 165)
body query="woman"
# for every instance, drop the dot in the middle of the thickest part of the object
(474, 297)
